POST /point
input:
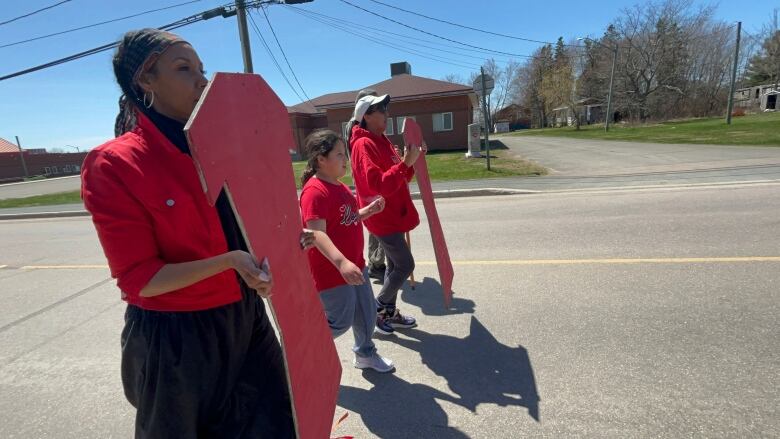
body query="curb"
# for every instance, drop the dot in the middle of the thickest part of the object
(481, 192)
(451, 193)
(39, 215)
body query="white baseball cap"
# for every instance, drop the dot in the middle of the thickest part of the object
(361, 106)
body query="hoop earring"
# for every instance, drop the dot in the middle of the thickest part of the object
(149, 105)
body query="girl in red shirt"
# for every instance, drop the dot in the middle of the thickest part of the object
(337, 265)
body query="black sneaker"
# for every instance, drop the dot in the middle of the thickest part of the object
(377, 273)
(397, 320)
(382, 326)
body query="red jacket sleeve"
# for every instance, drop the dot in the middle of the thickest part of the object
(384, 183)
(409, 174)
(123, 225)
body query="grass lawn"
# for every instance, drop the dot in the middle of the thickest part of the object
(43, 200)
(754, 129)
(452, 165)
(441, 165)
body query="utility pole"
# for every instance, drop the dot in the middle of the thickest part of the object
(614, 50)
(21, 156)
(243, 34)
(485, 117)
(730, 105)
(608, 116)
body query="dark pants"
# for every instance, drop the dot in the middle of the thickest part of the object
(376, 254)
(206, 374)
(400, 265)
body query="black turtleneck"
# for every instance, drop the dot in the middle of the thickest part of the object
(174, 131)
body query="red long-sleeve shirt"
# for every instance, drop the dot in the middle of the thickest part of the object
(378, 170)
(149, 210)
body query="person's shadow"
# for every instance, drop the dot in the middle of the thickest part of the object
(395, 408)
(428, 296)
(478, 368)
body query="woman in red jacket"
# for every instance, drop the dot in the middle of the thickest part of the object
(199, 356)
(377, 169)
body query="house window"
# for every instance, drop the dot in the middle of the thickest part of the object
(757, 93)
(66, 168)
(76, 168)
(442, 122)
(47, 170)
(399, 122)
(54, 170)
(389, 128)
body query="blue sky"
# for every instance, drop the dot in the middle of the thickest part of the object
(75, 103)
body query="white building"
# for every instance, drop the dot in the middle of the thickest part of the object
(757, 98)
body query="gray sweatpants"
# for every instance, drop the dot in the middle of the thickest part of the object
(352, 306)
(400, 264)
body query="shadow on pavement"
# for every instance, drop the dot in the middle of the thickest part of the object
(395, 408)
(477, 368)
(428, 296)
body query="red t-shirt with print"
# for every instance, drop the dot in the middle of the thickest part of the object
(335, 204)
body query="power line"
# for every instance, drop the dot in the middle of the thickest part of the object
(271, 55)
(415, 40)
(34, 12)
(206, 15)
(400, 48)
(284, 55)
(466, 27)
(430, 33)
(96, 24)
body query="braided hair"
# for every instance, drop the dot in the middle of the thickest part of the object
(135, 55)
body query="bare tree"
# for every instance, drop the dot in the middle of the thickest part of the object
(455, 79)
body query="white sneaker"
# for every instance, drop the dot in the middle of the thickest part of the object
(376, 362)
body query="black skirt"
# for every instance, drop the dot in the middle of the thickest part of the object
(217, 373)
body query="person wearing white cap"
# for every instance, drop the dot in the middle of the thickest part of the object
(378, 169)
(376, 254)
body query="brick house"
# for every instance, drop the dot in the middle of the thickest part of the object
(442, 109)
(515, 116)
(37, 161)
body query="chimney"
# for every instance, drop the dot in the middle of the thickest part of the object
(400, 68)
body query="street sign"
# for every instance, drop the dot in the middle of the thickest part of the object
(489, 84)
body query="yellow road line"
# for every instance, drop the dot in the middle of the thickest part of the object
(613, 261)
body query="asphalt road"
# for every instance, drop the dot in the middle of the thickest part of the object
(628, 313)
(574, 164)
(40, 187)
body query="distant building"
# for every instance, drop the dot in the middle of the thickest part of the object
(757, 98)
(513, 117)
(590, 110)
(442, 109)
(37, 161)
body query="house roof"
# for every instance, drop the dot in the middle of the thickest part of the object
(6, 146)
(763, 86)
(400, 87)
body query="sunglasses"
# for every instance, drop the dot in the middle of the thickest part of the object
(382, 108)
